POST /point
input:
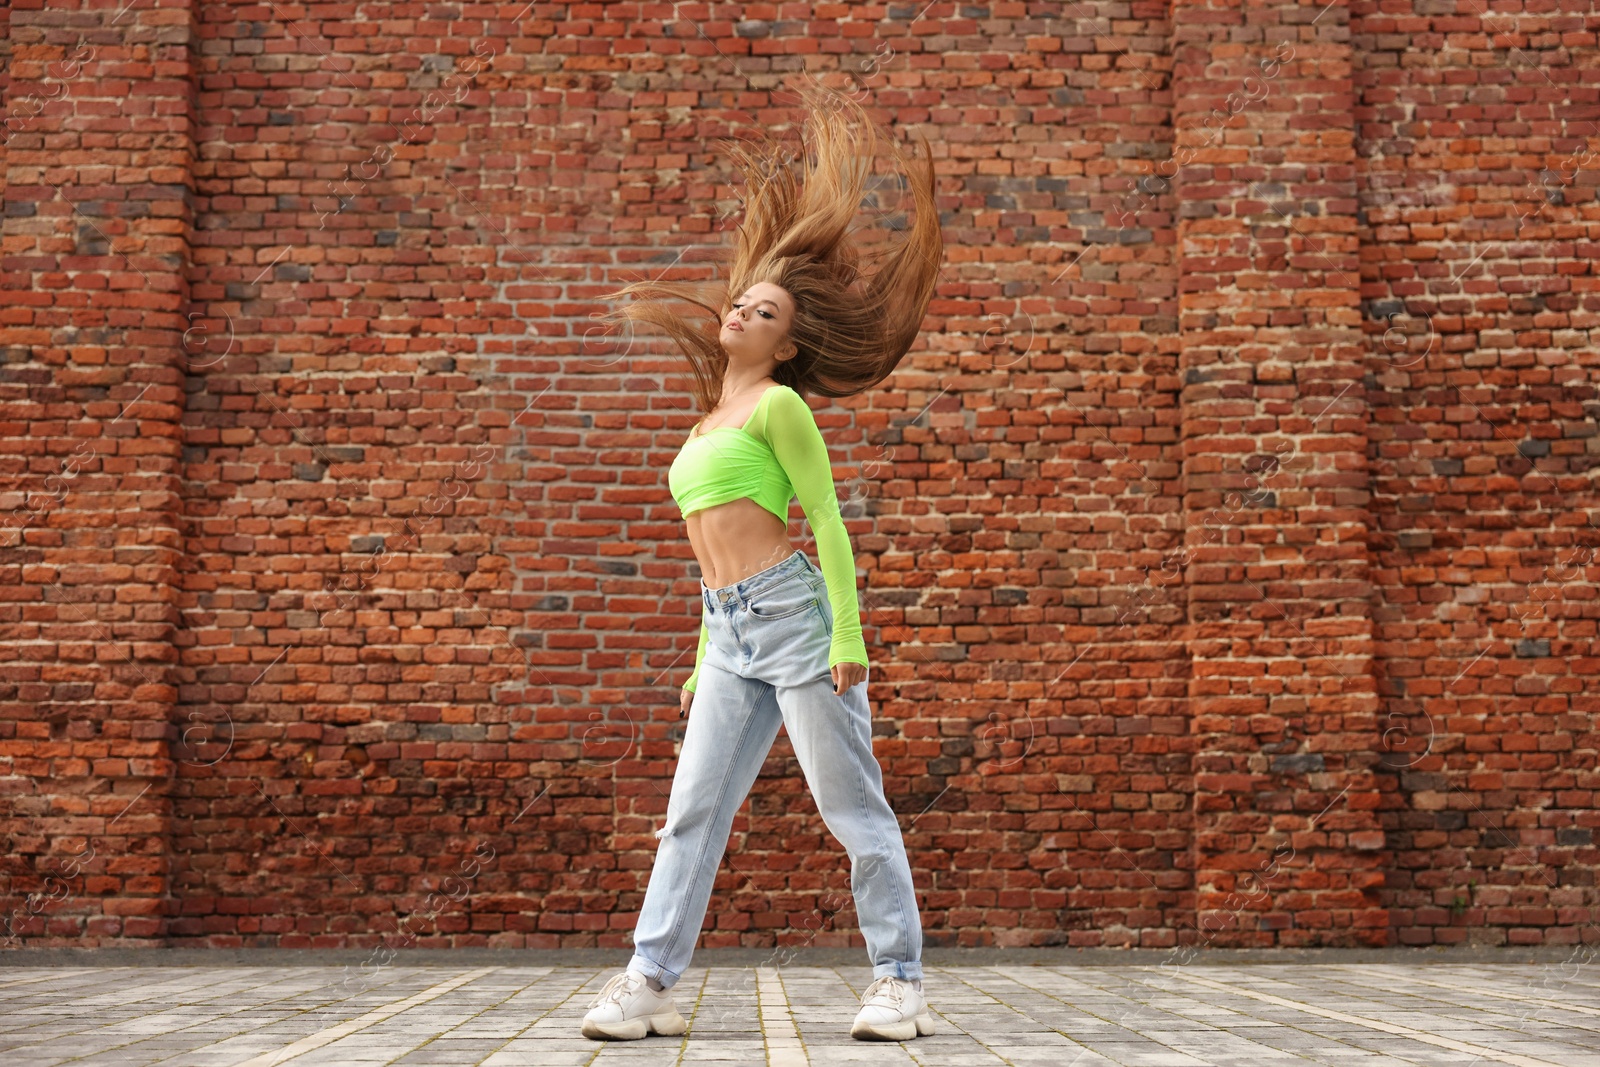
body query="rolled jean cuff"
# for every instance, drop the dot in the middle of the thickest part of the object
(908, 971)
(651, 969)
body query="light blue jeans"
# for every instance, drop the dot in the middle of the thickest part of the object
(766, 664)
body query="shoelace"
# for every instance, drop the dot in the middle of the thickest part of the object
(886, 984)
(619, 986)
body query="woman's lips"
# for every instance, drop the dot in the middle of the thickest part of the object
(735, 325)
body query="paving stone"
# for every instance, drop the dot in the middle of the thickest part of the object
(1265, 1014)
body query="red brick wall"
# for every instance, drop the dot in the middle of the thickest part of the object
(1227, 539)
(1480, 202)
(98, 214)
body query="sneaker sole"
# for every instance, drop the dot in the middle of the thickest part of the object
(633, 1029)
(903, 1031)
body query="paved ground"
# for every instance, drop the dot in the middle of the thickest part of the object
(1372, 1015)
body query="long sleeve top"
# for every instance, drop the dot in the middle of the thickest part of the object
(776, 456)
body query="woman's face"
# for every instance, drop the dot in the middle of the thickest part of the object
(756, 328)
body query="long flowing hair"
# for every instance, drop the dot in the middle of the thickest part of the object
(857, 308)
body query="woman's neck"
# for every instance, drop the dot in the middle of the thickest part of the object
(732, 388)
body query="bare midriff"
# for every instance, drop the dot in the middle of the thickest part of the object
(734, 540)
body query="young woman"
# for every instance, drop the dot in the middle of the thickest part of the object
(780, 640)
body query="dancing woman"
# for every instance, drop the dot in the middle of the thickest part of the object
(780, 640)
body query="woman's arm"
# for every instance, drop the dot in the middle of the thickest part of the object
(792, 433)
(699, 654)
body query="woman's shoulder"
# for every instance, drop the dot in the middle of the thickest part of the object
(778, 389)
(783, 414)
(785, 398)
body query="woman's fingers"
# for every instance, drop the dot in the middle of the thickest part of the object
(846, 675)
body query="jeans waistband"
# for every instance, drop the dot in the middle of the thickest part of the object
(740, 592)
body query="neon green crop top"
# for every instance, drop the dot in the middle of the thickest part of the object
(777, 455)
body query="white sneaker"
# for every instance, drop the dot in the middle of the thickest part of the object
(628, 1009)
(892, 1009)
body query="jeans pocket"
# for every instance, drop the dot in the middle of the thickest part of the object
(824, 606)
(789, 597)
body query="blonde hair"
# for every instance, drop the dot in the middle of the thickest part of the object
(851, 325)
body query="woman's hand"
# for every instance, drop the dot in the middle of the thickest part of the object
(846, 675)
(685, 698)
